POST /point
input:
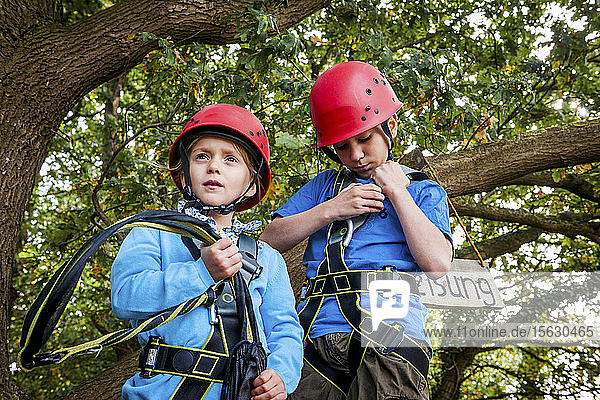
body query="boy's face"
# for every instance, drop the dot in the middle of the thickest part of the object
(364, 152)
(218, 171)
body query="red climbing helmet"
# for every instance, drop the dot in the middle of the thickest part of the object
(234, 123)
(348, 99)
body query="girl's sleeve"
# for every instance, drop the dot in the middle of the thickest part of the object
(143, 284)
(282, 328)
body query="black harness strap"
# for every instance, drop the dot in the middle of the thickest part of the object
(334, 278)
(203, 367)
(46, 310)
(209, 364)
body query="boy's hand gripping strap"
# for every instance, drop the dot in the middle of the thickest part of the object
(50, 304)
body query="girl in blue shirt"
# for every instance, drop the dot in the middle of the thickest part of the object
(220, 162)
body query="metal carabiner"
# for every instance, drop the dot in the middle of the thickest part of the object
(349, 232)
(212, 310)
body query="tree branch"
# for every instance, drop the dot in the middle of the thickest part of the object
(74, 60)
(508, 243)
(455, 362)
(568, 224)
(414, 43)
(575, 184)
(495, 164)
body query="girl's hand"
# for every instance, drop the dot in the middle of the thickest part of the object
(221, 259)
(268, 385)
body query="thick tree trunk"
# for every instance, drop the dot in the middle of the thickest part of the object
(106, 385)
(455, 362)
(22, 152)
(46, 68)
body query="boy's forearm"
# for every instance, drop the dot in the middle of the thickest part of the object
(283, 233)
(428, 245)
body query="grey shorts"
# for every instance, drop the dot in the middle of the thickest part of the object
(380, 376)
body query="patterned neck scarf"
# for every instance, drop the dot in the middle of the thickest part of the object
(232, 231)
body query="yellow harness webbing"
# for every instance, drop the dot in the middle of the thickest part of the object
(42, 317)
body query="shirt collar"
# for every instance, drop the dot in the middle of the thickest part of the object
(232, 232)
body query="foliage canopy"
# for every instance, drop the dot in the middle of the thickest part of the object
(468, 73)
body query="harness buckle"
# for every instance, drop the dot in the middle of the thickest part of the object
(394, 271)
(149, 357)
(305, 290)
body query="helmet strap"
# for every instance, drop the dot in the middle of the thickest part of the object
(188, 194)
(386, 129)
(331, 154)
(388, 133)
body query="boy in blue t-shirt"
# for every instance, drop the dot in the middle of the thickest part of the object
(353, 109)
(220, 162)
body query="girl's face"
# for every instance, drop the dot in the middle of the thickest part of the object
(218, 171)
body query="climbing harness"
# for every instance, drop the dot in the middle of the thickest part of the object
(335, 279)
(233, 335)
(219, 356)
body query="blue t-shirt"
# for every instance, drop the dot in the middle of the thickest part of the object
(379, 242)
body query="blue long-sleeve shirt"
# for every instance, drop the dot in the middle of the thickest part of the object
(154, 271)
